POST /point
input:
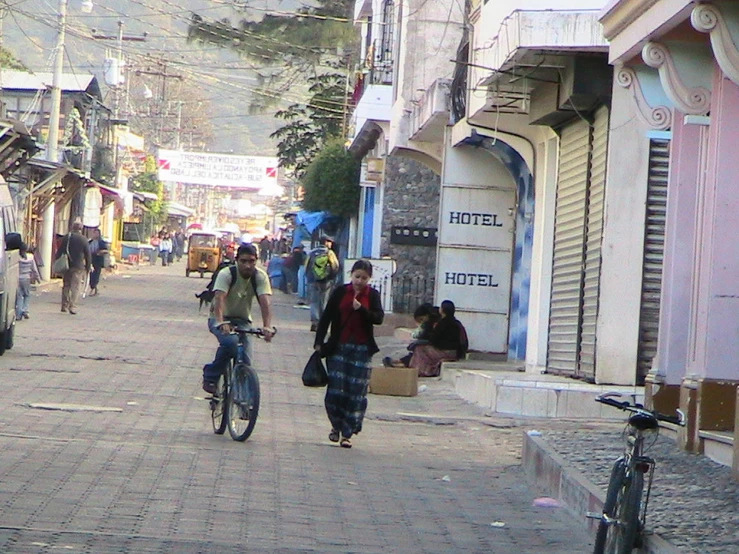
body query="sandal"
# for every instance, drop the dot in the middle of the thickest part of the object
(345, 443)
(333, 436)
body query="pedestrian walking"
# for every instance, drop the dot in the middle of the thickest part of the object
(265, 250)
(320, 272)
(165, 249)
(27, 275)
(155, 241)
(351, 312)
(75, 246)
(98, 250)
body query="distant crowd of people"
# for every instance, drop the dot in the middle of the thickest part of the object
(168, 246)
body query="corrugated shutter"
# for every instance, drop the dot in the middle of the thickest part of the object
(654, 247)
(593, 241)
(569, 246)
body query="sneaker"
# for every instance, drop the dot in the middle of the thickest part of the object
(345, 442)
(26, 316)
(210, 387)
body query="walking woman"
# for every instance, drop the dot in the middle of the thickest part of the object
(352, 311)
(27, 274)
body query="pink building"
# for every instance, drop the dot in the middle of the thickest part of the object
(688, 50)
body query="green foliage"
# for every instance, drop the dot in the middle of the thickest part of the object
(148, 181)
(9, 61)
(308, 127)
(302, 37)
(331, 181)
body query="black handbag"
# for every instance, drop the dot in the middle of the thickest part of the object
(314, 374)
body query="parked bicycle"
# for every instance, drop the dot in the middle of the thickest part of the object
(623, 520)
(235, 403)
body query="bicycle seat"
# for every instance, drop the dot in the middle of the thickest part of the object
(643, 421)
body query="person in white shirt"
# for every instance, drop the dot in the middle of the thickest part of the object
(27, 274)
(165, 247)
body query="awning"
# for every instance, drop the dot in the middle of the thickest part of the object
(142, 196)
(108, 190)
(179, 210)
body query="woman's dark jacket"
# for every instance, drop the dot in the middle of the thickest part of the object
(446, 334)
(332, 315)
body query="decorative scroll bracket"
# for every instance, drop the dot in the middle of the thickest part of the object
(658, 118)
(693, 101)
(707, 18)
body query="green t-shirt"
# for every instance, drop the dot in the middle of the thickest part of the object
(239, 298)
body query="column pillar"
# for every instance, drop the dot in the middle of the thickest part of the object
(47, 241)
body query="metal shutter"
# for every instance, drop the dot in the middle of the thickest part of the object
(593, 241)
(569, 244)
(654, 247)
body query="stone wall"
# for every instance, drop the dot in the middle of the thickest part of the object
(411, 199)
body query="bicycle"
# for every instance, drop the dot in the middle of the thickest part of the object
(623, 520)
(235, 404)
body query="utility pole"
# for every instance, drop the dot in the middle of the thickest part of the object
(161, 71)
(120, 38)
(52, 141)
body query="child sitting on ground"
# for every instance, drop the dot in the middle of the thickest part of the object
(426, 316)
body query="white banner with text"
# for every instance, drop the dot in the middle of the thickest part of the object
(217, 170)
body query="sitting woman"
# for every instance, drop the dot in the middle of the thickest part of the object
(425, 316)
(444, 344)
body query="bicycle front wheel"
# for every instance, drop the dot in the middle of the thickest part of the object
(243, 402)
(219, 406)
(619, 527)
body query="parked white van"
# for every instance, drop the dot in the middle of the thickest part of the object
(10, 243)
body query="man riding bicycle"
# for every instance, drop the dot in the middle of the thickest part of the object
(232, 303)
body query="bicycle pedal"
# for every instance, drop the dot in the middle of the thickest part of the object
(594, 515)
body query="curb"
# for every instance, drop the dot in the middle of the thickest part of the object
(550, 472)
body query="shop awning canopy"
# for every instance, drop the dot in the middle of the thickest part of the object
(179, 210)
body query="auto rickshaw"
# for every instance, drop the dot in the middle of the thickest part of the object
(203, 253)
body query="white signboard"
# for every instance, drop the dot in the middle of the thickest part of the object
(480, 217)
(218, 170)
(475, 258)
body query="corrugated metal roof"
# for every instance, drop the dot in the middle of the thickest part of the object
(19, 80)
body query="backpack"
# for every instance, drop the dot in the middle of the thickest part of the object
(464, 343)
(321, 266)
(209, 294)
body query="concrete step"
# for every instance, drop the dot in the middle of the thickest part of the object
(502, 387)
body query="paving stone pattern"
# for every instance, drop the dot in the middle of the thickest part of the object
(693, 503)
(107, 446)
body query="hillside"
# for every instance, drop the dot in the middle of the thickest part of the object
(29, 31)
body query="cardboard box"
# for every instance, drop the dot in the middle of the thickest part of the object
(394, 381)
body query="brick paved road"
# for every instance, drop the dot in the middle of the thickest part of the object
(107, 447)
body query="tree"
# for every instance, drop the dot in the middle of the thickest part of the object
(285, 49)
(148, 181)
(331, 181)
(311, 125)
(9, 61)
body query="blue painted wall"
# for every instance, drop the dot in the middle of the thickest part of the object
(369, 219)
(521, 285)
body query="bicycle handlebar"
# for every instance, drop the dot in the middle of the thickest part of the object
(607, 399)
(259, 332)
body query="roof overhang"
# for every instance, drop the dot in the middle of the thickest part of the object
(366, 139)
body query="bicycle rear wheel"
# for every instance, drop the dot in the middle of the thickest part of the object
(219, 406)
(243, 402)
(619, 528)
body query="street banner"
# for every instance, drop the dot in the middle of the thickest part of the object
(217, 170)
